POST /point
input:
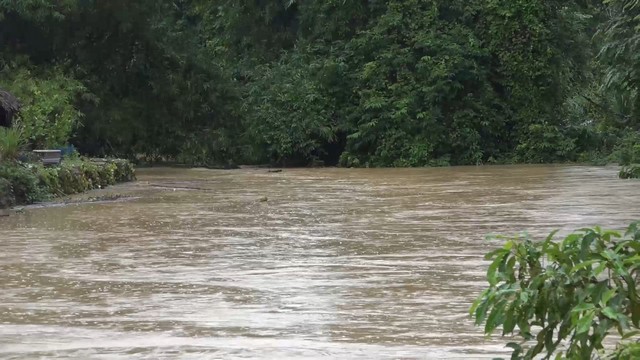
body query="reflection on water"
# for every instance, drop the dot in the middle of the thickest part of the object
(338, 263)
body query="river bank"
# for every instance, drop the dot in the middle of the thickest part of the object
(29, 183)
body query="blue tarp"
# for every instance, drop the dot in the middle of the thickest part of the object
(67, 150)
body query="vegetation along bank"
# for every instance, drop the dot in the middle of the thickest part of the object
(28, 183)
(354, 83)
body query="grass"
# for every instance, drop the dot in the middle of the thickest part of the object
(11, 143)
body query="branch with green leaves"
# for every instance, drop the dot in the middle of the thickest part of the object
(562, 299)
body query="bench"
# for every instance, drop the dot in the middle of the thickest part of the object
(49, 157)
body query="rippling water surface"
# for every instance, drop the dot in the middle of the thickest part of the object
(338, 263)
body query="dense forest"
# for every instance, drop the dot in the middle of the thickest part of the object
(348, 82)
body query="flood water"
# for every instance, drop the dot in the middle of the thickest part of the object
(337, 264)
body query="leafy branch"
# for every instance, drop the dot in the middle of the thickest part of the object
(563, 298)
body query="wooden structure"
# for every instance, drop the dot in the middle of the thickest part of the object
(49, 157)
(9, 106)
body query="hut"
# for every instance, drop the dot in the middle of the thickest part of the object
(9, 106)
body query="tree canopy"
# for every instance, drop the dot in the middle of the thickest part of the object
(355, 82)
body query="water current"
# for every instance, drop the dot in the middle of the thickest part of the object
(335, 264)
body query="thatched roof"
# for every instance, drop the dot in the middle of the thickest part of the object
(8, 102)
(9, 106)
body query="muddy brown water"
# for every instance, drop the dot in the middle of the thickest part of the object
(338, 263)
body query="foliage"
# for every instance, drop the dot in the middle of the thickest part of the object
(630, 172)
(627, 151)
(143, 87)
(48, 115)
(545, 143)
(11, 142)
(409, 83)
(621, 53)
(422, 92)
(7, 199)
(578, 290)
(368, 83)
(78, 176)
(37, 9)
(291, 118)
(28, 183)
(24, 183)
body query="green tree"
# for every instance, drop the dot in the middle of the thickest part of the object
(48, 115)
(620, 53)
(288, 112)
(383, 83)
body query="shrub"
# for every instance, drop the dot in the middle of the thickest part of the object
(7, 199)
(72, 180)
(48, 115)
(124, 171)
(11, 143)
(49, 179)
(91, 172)
(627, 151)
(107, 174)
(577, 291)
(31, 183)
(630, 172)
(24, 183)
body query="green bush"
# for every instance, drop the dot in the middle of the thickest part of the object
(124, 170)
(91, 172)
(7, 199)
(24, 183)
(544, 143)
(627, 151)
(630, 172)
(49, 179)
(11, 143)
(107, 174)
(72, 180)
(563, 298)
(48, 115)
(81, 175)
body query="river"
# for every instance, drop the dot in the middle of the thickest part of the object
(337, 263)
